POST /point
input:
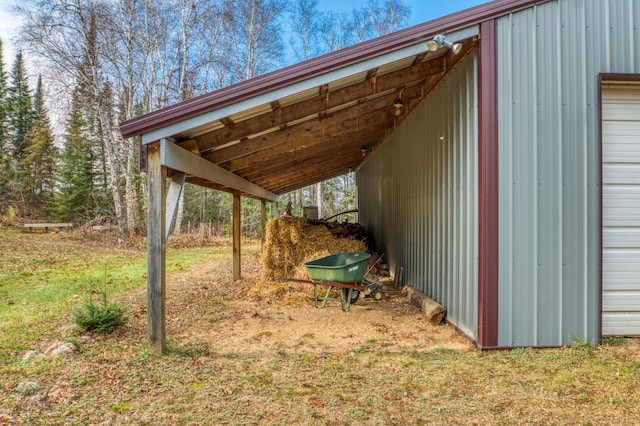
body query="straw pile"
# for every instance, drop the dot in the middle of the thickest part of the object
(289, 243)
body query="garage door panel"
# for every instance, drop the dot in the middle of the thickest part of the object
(620, 324)
(620, 277)
(620, 267)
(623, 153)
(621, 301)
(620, 218)
(618, 173)
(621, 284)
(620, 132)
(621, 210)
(628, 111)
(620, 237)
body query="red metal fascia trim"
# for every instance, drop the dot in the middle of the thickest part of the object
(320, 65)
(488, 186)
(611, 77)
(603, 78)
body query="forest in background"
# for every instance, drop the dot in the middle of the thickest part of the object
(99, 62)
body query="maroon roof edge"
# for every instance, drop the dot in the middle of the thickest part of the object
(320, 65)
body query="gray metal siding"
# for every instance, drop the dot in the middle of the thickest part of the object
(418, 195)
(549, 60)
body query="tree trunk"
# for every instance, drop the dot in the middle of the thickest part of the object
(432, 310)
(319, 198)
(179, 214)
(130, 196)
(114, 174)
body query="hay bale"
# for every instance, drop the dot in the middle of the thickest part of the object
(290, 242)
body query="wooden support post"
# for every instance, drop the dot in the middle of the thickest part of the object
(173, 196)
(237, 228)
(156, 250)
(274, 209)
(263, 219)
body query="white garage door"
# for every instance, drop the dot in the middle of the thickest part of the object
(621, 209)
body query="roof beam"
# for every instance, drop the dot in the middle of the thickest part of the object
(336, 98)
(176, 158)
(328, 125)
(343, 157)
(326, 146)
(312, 145)
(304, 177)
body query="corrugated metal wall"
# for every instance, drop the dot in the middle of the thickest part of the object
(418, 194)
(549, 60)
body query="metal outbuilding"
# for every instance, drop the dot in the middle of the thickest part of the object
(503, 178)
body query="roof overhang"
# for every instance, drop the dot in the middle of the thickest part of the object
(314, 120)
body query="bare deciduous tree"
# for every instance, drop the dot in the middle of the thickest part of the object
(257, 36)
(132, 56)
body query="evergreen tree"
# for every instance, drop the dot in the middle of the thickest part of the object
(37, 165)
(5, 164)
(3, 103)
(72, 199)
(20, 110)
(20, 117)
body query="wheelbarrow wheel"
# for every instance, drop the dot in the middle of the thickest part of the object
(355, 295)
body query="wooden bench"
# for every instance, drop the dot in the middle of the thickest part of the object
(104, 227)
(45, 226)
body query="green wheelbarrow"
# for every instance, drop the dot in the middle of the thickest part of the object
(343, 272)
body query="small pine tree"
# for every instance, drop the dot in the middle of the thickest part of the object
(100, 315)
(71, 201)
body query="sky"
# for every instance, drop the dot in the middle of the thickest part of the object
(8, 28)
(421, 11)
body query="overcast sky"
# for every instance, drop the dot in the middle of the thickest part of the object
(8, 27)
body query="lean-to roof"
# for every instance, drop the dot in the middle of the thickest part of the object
(320, 118)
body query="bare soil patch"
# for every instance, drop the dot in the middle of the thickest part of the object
(205, 306)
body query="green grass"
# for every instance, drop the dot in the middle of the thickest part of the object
(116, 380)
(44, 276)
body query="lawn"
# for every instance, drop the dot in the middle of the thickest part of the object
(216, 371)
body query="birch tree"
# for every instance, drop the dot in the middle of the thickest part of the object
(5, 164)
(257, 36)
(305, 29)
(128, 57)
(69, 35)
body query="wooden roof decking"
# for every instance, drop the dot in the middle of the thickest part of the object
(323, 134)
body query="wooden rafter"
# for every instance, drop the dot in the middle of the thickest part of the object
(292, 143)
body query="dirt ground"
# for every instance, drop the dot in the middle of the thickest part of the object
(249, 326)
(239, 359)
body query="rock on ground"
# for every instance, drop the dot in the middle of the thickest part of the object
(27, 388)
(60, 349)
